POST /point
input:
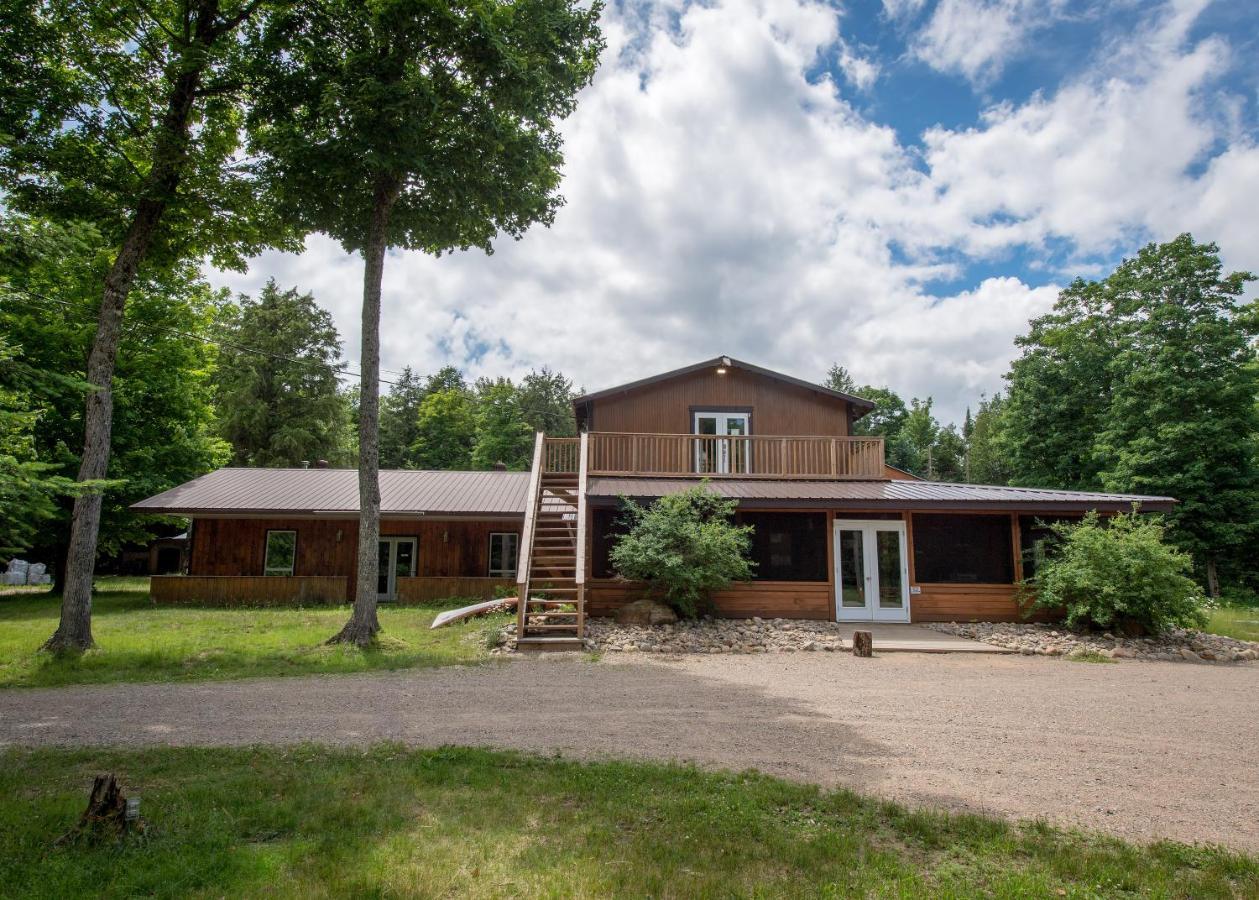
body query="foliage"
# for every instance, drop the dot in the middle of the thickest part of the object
(684, 546)
(1108, 574)
(163, 421)
(1146, 382)
(276, 384)
(545, 399)
(445, 429)
(501, 432)
(317, 821)
(986, 463)
(96, 99)
(399, 419)
(28, 490)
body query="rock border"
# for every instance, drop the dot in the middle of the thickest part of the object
(1034, 639)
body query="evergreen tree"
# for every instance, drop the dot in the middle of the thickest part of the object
(399, 419)
(276, 388)
(446, 431)
(502, 434)
(985, 458)
(545, 399)
(838, 379)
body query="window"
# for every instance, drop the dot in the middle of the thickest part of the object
(504, 548)
(787, 546)
(281, 553)
(1037, 539)
(953, 549)
(607, 526)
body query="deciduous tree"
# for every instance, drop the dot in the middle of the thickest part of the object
(127, 115)
(416, 124)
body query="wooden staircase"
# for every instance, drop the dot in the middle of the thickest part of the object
(551, 575)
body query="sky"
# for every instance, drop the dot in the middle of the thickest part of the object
(896, 186)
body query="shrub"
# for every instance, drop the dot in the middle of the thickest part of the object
(685, 546)
(1119, 573)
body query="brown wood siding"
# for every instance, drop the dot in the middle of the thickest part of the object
(767, 599)
(777, 408)
(247, 590)
(447, 549)
(967, 603)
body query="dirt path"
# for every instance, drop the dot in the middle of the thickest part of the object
(1143, 750)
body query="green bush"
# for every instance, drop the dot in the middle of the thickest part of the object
(1119, 572)
(684, 546)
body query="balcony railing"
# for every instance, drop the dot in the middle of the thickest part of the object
(735, 456)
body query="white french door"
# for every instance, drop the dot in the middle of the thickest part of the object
(397, 560)
(713, 454)
(871, 571)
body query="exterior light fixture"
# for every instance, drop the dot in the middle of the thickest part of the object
(725, 363)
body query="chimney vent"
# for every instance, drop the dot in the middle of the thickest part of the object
(500, 466)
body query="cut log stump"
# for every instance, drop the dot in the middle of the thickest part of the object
(862, 643)
(108, 814)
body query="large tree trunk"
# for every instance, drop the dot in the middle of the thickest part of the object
(364, 624)
(74, 633)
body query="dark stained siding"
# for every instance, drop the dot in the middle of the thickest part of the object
(447, 549)
(777, 408)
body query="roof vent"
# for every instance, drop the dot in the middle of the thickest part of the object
(305, 463)
(500, 466)
(321, 464)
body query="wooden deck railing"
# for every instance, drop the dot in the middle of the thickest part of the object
(750, 456)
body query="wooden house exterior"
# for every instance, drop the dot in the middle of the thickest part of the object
(838, 534)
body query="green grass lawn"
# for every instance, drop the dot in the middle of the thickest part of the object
(139, 642)
(1241, 622)
(387, 822)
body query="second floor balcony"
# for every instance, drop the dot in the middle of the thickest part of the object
(736, 456)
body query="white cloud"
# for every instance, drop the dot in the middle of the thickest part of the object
(975, 38)
(722, 201)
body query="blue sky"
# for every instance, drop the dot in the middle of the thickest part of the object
(894, 185)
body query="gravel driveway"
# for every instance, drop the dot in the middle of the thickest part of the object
(1143, 750)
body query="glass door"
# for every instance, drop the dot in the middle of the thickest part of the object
(713, 454)
(871, 571)
(396, 560)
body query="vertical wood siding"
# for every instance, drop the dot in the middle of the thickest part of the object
(777, 408)
(447, 549)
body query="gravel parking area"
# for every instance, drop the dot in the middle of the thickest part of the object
(1145, 750)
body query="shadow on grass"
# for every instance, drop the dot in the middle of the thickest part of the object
(390, 821)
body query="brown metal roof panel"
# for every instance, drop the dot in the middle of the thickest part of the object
(336, 490)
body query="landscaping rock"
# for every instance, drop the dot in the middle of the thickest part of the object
(645, 612)
(1044, 640)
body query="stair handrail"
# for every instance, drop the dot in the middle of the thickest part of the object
(582, 457)
(525, 552)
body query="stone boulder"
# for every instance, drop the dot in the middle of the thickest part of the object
(645, 612)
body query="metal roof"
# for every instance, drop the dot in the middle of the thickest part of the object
(896, 494)
(719, 360)
(308, 491)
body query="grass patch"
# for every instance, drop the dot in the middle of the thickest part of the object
(139, 642)
(1090, 656)
(315, 822)
(1241, 622)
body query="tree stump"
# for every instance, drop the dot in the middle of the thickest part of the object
(107, 814)
(862, 643)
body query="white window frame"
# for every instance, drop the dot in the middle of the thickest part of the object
(267, 568)
(502, 573)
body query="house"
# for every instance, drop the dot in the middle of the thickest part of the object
(838, 534)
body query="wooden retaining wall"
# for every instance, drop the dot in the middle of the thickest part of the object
(767, 599)
(422, 590)
(247, 590)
